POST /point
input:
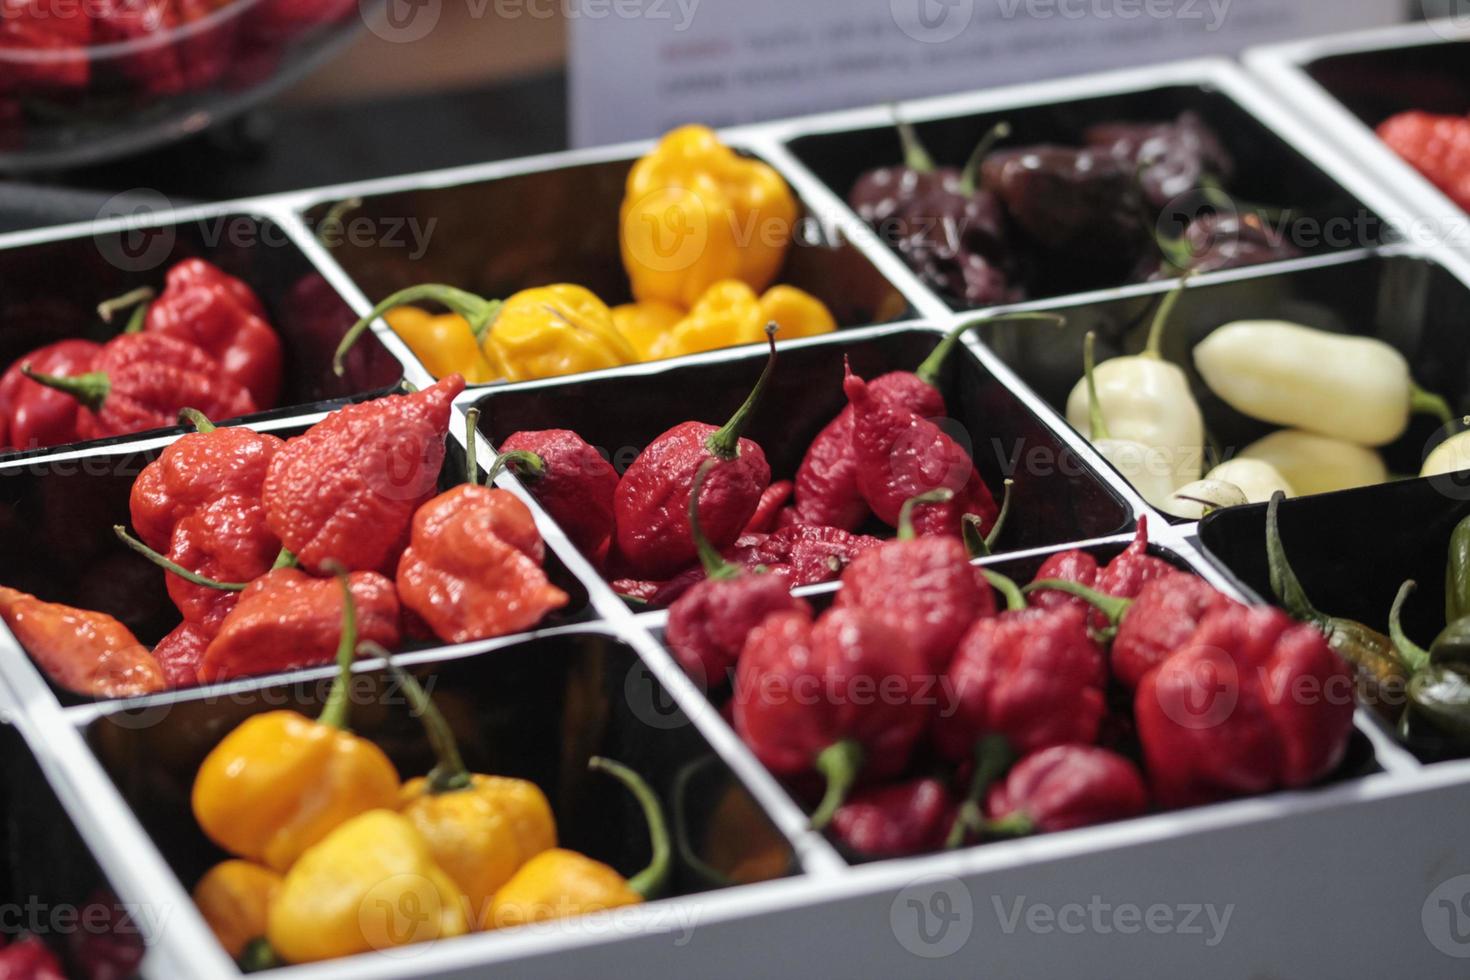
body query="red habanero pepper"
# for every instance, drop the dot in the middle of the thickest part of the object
(709, 623)
(763, 521)
(286, 619)
(744, 553)
(226, 540)
(652, 500)
(180, 653)
(899, 820)
(813, 554)
(1064, 787)
(83, 651)
(902, 455)
(1126, 574)
(142, 381)
(33, 416)
(1065, 566)
(28, 958)
(59, 40)
(347, 488)
(923, 588)
(570, 479)
(1253, 702)
(804, 699)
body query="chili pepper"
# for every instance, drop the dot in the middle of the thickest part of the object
(443, 343)
(847, 649)
(796, 312)
(652, 499)
(768, 511)
(1064, 787)
(708, 624)
(1357, 389)
(900, 820)
(1147, 400)
(280, 782)
(28, 958)
(558, 883)
(348, 487)
(646, 326)
(1133, 567)
(1457, 573)
(727, 314)
(658, 593)
(878, 194)
(83, 651)
(1438, 692)
(226, 540)
(1216, 241)
(58, 41)
(1450, 456)
(813, 554)
(142, 381)
(1313, 463)
(180, 653)
(1065, 566)
(1171, 158)
(234, 897)
(1193, 501)
(1253, 702)
(1438, 146)
(33, 416)
(218, 313)
(688, 209)
(1256, 478)
(1149, 469)
(570, 479)
(321, 910)
(921, 588)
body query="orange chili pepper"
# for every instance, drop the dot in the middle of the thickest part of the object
(83, 651)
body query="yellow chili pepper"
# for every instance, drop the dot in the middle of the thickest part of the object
(729, 313)
(443, 342)
(370, 884)
(234, 896)
(695, 212)
(280, 782)
(559, 884)
(647, 325)
(797, 313)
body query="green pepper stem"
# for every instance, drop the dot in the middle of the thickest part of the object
(133, 299)
(1097, 426)
(1011, 825)
(915, 154)
(197, 419)
(1415, 657)
(970, 176)
(651, 880)
(471, 448)
(685, 847)
(90, 389)
(993, 756)
(725, 442)
(1155, 346)
(975, 544)
(1284, 583)
(285, 559)
(258, 956)
(1109, 605)
(1423, 402)
(906, 512)
(331, 225)
(449, 773)
(716, 568)
(339, 700)
(527, 465)
(172, 566)
(1015, 598)
(477, 310)
(928, 371)
(840, 764)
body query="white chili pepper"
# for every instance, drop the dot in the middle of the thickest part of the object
(1195, 500)
(1313, 463)
(1148, 468)
(1450, 456)
(1147, 400)
(1353, 388)
(1257, 479)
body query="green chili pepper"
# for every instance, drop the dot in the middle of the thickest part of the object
(1457, 574)
(1440, 695)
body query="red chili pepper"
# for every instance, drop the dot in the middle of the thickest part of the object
(1065, 566)
(902, 455)
(900, 820)
(1033, 676)
(346, 489)
(813, 554)
(1127, 574)
(1063, 787)
(33, 416)
(286, 619)
(570, 479)
(763, 521)
(658, 593)
(142, 381)
(28, 958)
(57, 38)
(708, 624)
(1253, 702)
(227, 540)
(923, 588)
(220, 315)
(839, 697)
(652, 499)
(180, 653)
(83, 651)
(1438, 146)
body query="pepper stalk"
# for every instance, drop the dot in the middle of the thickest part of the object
(1015, 596)
(339, 701)
(840, 765)
(174, 567)
(1111, 606)
(970, 176)
(138, 300)
(478, 311)
(977, 543)
(449, 773)
(928, 371)
(724, 443)
(1415, 657)
(993, 756)
(651, 880)
(906, 512)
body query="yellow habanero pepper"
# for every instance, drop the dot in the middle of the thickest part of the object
(233, 896)
(729, 313)
(371, 884)
(797, 313)
(280, 782)
(646, 325)
(443, 343)
(695, 212)
(559, 884)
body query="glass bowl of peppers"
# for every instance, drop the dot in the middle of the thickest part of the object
(88, 80)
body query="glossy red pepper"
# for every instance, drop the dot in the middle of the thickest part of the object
(142, 381)
(570, 479)
(226, 540)
(903, 819)
(180, 653)
(839, 697)
(33, 416)
(346, 490)
(1253, 702)
(1064, 787)
(763, 521)
(28, 958)
(652, 500)
(57, 38)
(1123, 577)
(83, 651)
(813, 554)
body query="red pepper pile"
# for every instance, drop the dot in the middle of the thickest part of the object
(203, 343)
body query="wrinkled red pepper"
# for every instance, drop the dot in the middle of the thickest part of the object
(813, 554)
(658, 593)
(912, 817)
(1064, 787)
(33, 416)
(763, 521)
(226, 540)
(1123, 577)
(346, 489)
(180, 653)
(570, 479)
